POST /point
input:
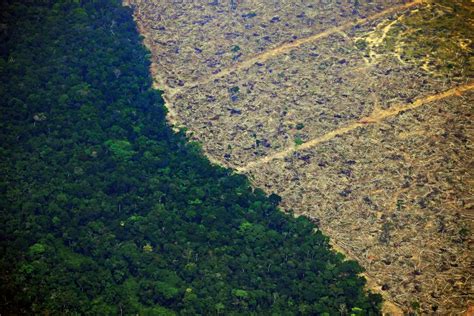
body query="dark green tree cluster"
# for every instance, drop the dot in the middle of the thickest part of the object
(106, 211)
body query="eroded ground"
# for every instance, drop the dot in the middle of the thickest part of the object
(359, 114)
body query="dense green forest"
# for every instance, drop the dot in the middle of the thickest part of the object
(106, 211)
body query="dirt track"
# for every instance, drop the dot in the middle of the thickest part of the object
(375, 117)
(286, 47)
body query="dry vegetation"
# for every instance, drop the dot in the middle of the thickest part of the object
(358, 114)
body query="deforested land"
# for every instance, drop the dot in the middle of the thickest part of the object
(357, 113)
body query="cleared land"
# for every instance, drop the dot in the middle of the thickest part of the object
(358, 114)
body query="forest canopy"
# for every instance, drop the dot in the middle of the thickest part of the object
(106, 211)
